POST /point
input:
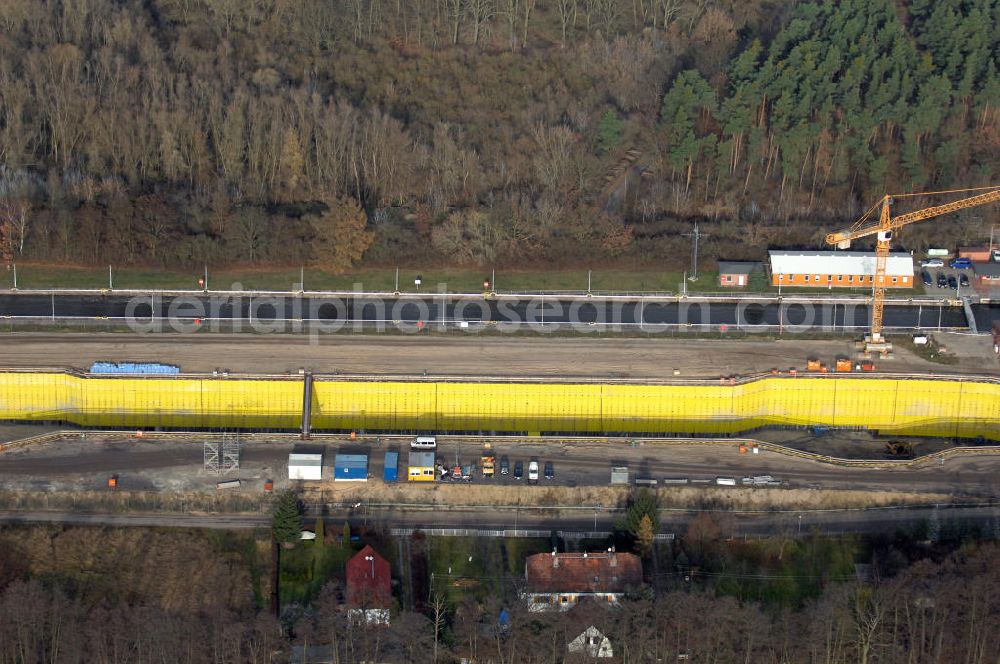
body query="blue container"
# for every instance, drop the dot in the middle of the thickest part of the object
(390, 472)
(134, 368)
(350, 468)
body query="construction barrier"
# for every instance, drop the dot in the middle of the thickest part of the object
(898, 406)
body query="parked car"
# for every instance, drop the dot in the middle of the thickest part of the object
(927, 278)
(942, 280)
(518, 470)
(533, 471)
(963, 279)
(550, 472)
(952, 283)
(504, 465)
(996, 255)
(932, 262)
(960, 263)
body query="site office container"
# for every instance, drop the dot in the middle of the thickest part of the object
(390, 470)
(350, 468)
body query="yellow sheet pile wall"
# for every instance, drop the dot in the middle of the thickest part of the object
(917, 407)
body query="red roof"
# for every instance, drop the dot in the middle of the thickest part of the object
(582, 572)
(369, 581)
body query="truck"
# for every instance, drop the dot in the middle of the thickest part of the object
(487, 461)
(619, 475)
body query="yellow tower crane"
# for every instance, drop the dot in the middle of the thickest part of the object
(883, 228)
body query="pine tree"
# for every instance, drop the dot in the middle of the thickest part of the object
(320, 532)
(609, 131)
(641, 517)
(286, 522)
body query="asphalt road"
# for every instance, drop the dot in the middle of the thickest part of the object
(170, 466)
(332, 314)
(734, 524)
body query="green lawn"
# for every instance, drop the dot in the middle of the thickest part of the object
(480, 567)
(36, 276)
(32, 276)
(307, 567)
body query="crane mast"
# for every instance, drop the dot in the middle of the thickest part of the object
(883, 229)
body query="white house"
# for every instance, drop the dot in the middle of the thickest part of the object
(592, 643)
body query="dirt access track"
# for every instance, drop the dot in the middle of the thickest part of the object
(453, 355)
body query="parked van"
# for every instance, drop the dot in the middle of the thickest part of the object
(960, 263)
(424, 443)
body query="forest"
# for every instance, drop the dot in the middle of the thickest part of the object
(101, 595)
(539, 132)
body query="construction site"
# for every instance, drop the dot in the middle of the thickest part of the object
(589, 404)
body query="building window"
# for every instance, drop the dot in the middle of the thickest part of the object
(894, 280)
(840, 277)
(807, 278)
(781, 277)
(850, 278)
(817, 278)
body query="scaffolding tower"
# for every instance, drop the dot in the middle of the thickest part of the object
(222, 456)
(211, 449)
(230, 453)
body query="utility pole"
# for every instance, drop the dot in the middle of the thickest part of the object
(695, 236)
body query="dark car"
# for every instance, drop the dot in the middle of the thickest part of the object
(504, 465)
(550, 472)
(942, 280)
(963, 279)
(518, 470)
(927, 278)
(953, 283)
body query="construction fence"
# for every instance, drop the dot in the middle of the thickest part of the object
(898, 406)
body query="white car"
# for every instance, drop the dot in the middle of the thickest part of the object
(932, 262)
(533, 471)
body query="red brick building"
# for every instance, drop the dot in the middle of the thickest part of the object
(369, 585)
(736, 273)
(557, 581)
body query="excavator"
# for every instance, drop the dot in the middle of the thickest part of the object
(882, 229)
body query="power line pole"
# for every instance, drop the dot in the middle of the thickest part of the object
(695, 236)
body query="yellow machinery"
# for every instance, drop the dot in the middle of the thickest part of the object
(883, 229)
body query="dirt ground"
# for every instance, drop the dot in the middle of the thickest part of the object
(564, 357)
(83, 463)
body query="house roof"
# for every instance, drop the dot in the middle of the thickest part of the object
(305, 459)
(582, 572)
(421, 459)
(988, 270)
(369, 582)
(899, 264)
(738, 267)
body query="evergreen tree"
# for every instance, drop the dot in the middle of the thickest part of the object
(286, 524)
(609, 131)
(641, 518)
